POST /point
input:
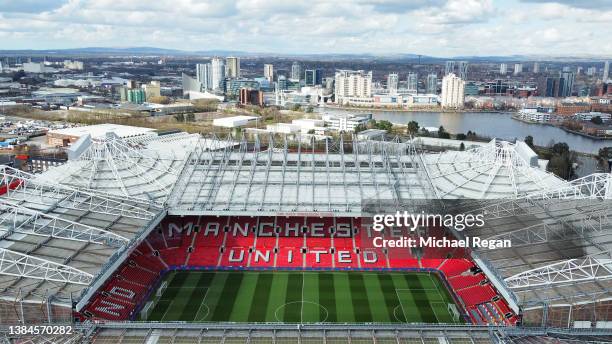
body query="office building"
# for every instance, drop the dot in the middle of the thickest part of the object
(413, 82)
(503, 69)
(269, 72)
(352, 84)
(345, 122)
(518, 68)
(463, 70)
(606, 71)
(392, 83)
(313, 77)
(218, 73)
(568, 85)
(296, 71)
(232, 65)
(453, 92)
(449, 67)
(536, 67)
(204, 75)
(432, 83)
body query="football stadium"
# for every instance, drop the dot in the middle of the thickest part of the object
(180, 238)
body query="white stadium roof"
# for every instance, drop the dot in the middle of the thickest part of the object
(64, 230)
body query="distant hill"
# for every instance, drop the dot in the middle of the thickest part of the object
(387, 56)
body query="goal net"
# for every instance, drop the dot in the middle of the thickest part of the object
(453, 311)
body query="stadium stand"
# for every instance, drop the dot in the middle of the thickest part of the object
(248, 242)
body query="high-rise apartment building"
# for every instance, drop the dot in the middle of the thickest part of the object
(204, 75)
(503, 69)
(413, 82)
(463, 70)
(232, 65)
(352, 84)
(453, 92)
(518, 68)
(269, 72)
(432, 83)
(606, 71)
(536, 68)
(449, 67)
(296, 71)
(218, 73)
(392, 83)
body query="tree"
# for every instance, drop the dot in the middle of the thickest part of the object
(311, 131)
(179, 117)
(309, 109)
(461, 136)
(462, 147)
(412, 128)
(560, 148)
(296, 107)
(597, 120)
(190, 117)
(359, 128)
(442, 133)
(529, 141)
(384, 125)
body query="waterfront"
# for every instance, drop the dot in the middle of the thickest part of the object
(493, 124)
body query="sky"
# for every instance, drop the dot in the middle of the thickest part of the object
(442, 28)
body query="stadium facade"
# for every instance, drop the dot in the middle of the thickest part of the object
(73, 235)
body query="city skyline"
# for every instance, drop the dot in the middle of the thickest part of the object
(508, 27)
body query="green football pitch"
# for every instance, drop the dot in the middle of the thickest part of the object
(302, 297)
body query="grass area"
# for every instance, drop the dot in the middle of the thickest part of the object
(303, 297)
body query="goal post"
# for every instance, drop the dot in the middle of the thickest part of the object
(146, 310)
(162, 288)
(453, 311)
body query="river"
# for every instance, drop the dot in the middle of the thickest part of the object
(492, 124)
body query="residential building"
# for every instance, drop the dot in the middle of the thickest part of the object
(204, 75)
(432, 83)
(413, 82)
(269, 72)
(296, 71)
(232, 65)
(453, 91)
(463, 70)
(449, 67)
(503, 69)
(518, 68)
(352, 84)
(606, 71)
(536, 68)
(392, 83)
(218, 73)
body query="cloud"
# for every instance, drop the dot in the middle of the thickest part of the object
(30, 6)
(588, 4)
(438, 27)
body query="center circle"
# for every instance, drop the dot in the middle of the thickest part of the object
(299, 307)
